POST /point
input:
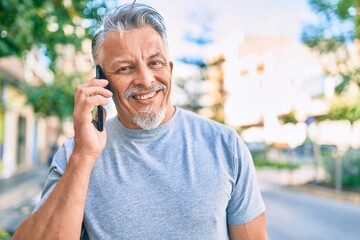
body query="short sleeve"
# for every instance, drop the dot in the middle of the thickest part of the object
(56, 171)
(246, 202)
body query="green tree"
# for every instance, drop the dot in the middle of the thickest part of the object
(201, 36)
(343, 108)
(25, 24)
(55, 98)
(335, 37)
(45, 26)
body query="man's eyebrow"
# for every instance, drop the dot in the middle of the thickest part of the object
(157, 54)
(119, 61)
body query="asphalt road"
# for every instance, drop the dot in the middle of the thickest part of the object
(293, 215)
(19, 195)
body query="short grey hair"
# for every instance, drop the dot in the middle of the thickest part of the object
(127, 17)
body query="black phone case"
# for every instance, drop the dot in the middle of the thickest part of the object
(100, 109)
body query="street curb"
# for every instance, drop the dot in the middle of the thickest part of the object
(351, 197)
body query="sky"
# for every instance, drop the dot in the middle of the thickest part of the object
(268, 18)
(256, 18)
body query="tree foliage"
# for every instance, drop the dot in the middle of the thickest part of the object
(25, 24)
(335, 37)
(289, 118)
(201, 36)
(343, 109)
(55, 98)
(42, 25)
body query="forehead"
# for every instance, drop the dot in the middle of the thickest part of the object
(142, 41)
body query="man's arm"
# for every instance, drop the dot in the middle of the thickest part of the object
(253, 230)
(61, 215)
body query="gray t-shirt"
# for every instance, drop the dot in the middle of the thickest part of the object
(187, 179)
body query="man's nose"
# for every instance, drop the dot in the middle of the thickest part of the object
(144, 77)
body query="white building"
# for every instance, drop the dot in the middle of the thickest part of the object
(268, 77)
(24, 138)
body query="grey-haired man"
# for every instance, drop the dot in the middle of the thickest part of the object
(156, 171)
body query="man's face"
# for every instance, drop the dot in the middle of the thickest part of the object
(137, 68)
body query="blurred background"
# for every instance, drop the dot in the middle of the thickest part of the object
(285, 74)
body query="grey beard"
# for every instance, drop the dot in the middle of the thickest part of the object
(147, 119)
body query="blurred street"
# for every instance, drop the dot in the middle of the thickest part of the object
(285, 75)
(291, 215)
(18, 196)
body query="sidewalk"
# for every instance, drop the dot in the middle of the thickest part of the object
(300, 180)
(324, 192)
(18, 196)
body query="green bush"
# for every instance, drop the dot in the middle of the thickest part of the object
(261, 161)
(4, 235)
(350, 167)
(274, 164)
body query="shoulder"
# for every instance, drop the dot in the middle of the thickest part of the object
(112, 122)
(62, 155)
(207, 126)
(215, 132)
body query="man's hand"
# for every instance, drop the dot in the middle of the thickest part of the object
(61, 215)
(89, 142)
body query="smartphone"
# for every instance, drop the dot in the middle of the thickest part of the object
(100, 109)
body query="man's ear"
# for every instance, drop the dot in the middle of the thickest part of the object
(171, 65)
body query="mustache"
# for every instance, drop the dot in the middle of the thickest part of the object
(131, 92)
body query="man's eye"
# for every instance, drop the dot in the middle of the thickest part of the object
(125, 69)
(155, 63)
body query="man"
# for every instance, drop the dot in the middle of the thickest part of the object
(156, 171)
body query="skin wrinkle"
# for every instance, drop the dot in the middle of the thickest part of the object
(146, 119)
(98, 53)
(133, 91)
(136, 50)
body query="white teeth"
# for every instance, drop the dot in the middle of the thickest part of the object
(143, 97)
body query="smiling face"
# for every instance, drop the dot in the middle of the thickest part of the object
(136, 65)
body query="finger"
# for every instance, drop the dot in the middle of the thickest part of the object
(95, 82)
(87, 97)
(85, 106)
(95, 90)
(82, 93)
(97, 100)
(98, 82)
